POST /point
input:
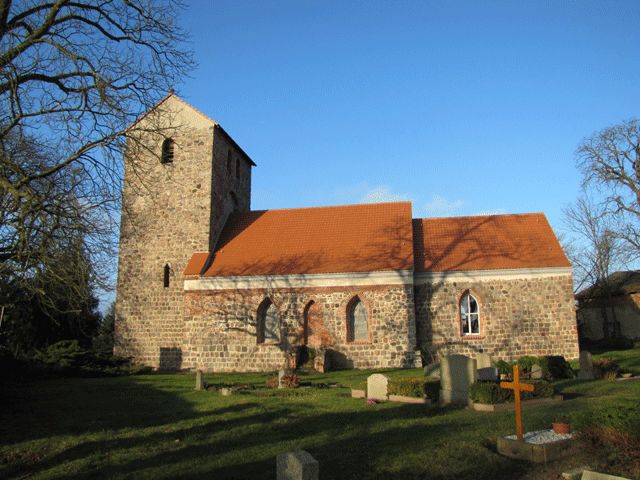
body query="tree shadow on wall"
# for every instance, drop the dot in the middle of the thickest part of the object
(460, 249)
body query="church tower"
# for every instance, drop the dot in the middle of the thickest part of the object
(183, 176)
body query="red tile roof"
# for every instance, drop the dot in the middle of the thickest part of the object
(352, 238)
(486, 243)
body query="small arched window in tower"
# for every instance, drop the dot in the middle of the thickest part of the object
(167, 151)
(237, 167)
(166, 275)
(358, 322)
(229, 161)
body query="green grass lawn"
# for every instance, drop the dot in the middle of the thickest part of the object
(157, 426)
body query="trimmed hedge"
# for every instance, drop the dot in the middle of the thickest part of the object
(491, 393)
(417, 387)
(554, 367)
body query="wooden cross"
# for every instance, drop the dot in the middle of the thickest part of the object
(517, 387)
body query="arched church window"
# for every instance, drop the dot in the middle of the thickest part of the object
(167, 275)
(469, 315)
(167, 151)
(237, 168)
(357, 321)
(229, 161)
(268, 323)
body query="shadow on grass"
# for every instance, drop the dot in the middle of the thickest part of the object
(238, 440)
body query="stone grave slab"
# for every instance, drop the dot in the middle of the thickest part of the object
(298, 465)
(377, 387)
(590, 475)
(488, 374)
(457, 373)
(536, 452)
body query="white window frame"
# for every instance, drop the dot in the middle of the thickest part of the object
(468, 296)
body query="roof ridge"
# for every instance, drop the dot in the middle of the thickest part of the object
(318, 207)
(531, 214)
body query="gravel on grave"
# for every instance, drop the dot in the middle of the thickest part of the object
(542, 436)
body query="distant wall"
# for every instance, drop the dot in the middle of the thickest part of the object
(627, 310)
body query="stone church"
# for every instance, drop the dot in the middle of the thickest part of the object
(205, 282)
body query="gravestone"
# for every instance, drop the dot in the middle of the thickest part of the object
(457, 373)
(488, 374)
(281, 373)
(199, 380)
(299, 465)
(377, 387)
(586, 366)
(536, 372)
(589, 475)
(484, 360)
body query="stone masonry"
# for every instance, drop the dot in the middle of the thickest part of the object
(533, 316)
(168, 212)
(221, 335)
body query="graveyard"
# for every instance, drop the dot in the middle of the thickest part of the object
(160, 426)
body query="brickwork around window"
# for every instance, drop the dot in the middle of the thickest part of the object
(220, 328)
(518, 317)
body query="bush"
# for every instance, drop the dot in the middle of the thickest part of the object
(525, 363)
(606, 368)
(290, 380)
(489, 392)
(558, 367)
(417, 387)
(67, 357)
(504, 368)
(492, 393)
(407, 387)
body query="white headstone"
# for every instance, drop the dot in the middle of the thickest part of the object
(484, 360)
(377, 387)
(536, 372)
(457, 373)
(299, 465)
(586, 366)
(589, 475)
(281, 373)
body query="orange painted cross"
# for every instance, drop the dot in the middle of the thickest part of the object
(517, 387)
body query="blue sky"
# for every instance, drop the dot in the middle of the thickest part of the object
(461, 107)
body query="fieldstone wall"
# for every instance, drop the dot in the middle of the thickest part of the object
(221, 335)
(518, 317)
(167, 215)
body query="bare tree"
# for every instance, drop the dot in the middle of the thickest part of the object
(596, 251)
(73, 76)
(610, 162)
